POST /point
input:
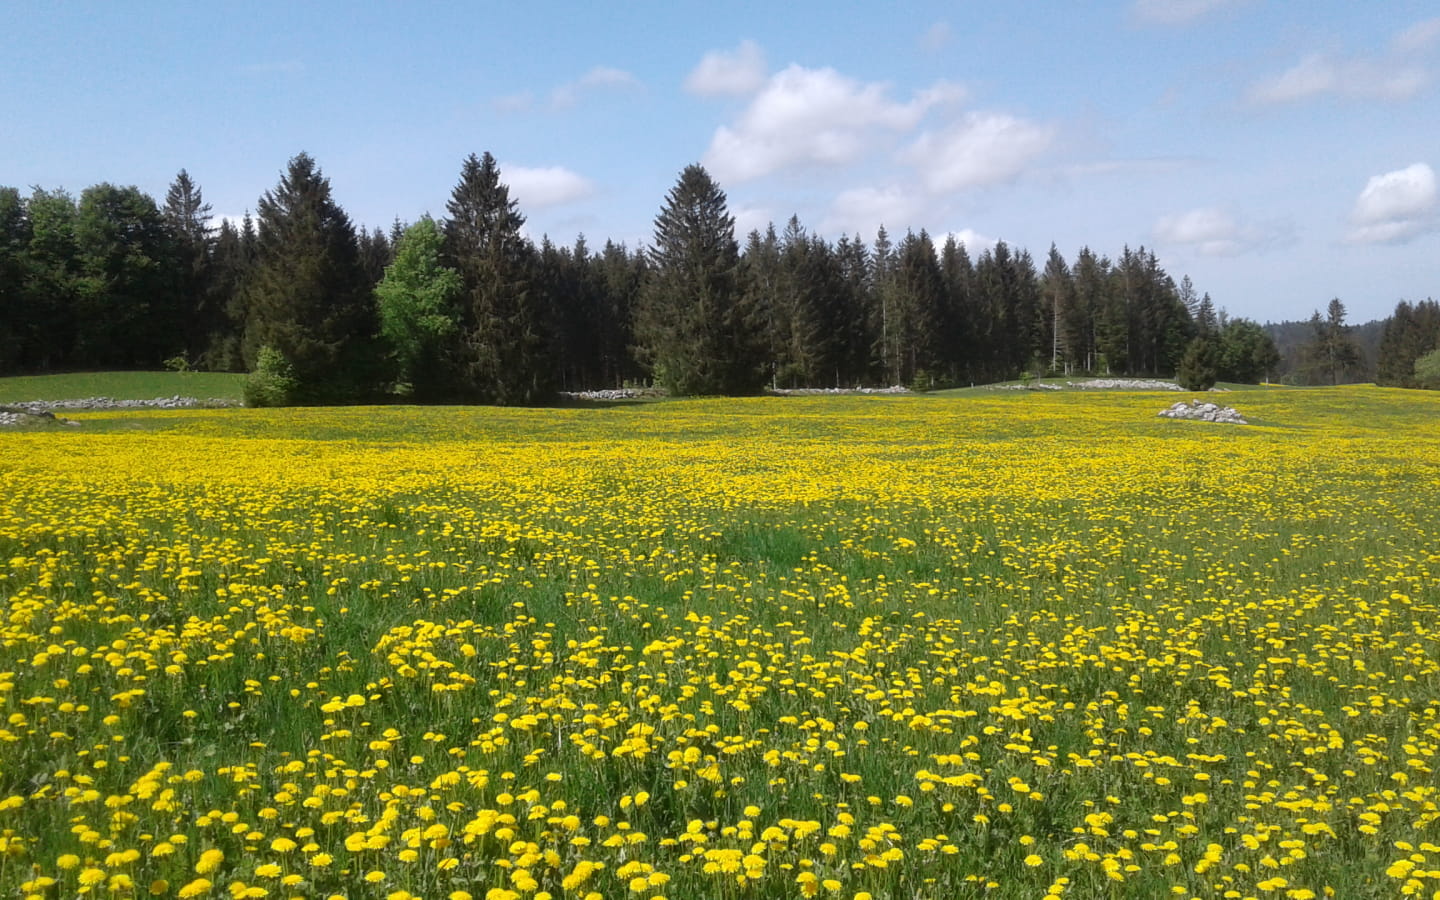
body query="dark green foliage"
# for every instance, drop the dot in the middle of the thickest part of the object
(307, 295)
(15, 324)
(126, 300)
(376, 252)
(52, 283)
(230, 264)
(1200, 366)
(916, 312)
(420, 313)
(273, 382)
(693, 325)
(1058, 290)
(507, 326)
(1331, 357)
(1410, 333)
(192, 240)
(1247, 354)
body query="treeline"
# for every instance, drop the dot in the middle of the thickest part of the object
(1401, 350)
(467, 309)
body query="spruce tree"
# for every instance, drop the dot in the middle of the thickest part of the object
(505, 332)
(1058, 289)
(917, 302)
(230, 266)
(187, 216)
(697, 334)
(307, 296)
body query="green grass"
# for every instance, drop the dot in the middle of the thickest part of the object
(121, 386)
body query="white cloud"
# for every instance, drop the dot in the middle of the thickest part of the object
(863, 210)
(1210, 231)
(536, 188)
(813, 117)
(937, 36)
(598, 78)
(975, 242)
(1319, 74)
(981, 149)
(1177, 12)
(1418, 37)
(1396, 206)
(751, 218)
(737, 72)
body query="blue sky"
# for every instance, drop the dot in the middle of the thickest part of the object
(1279, 153)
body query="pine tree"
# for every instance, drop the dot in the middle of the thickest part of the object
(955, 340)
(1058, 289)
(507, 323)
(693, 325)
(853, 262)
(1412, 331)
(307, 296)
(919, 299)
(760, 286)
(620, 276)
(1331, 352)
(230, 265)
(187, 216)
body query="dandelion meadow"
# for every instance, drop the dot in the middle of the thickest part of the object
(853, 647)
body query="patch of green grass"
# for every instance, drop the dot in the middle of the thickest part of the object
(121, 386)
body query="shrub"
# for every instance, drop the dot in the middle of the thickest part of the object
(1200, 365)
(273, 381)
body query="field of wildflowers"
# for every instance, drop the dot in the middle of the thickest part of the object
(852, 647)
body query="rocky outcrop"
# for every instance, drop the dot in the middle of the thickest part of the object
(1204, 412)
(41, 411)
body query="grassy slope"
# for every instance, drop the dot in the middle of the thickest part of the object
(121, 386)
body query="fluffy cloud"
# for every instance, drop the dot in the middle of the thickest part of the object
(975, 242)
(1177, 12)
(813, 117)
(546, 186)
(751, 218)
(863, 210)
(736, 72)
(1211, 231)
(598, 78)
(1396, 206)
(981, 149)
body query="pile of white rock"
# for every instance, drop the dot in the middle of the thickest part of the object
(803, 392)
(1204, 412)
(175, 402)
(1037, 386)
(32, 412)
(1125, 384)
